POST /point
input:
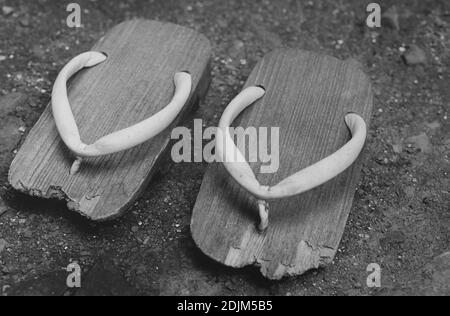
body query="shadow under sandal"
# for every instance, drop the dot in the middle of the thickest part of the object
(98, 144)
(292, 220)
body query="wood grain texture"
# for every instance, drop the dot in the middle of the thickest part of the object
(134, 83)
(307, 97)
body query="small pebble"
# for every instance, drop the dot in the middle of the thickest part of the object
(25, 21)
(237, 49)
(7, 10)
(421, 142)
(398, 149)
(5, 288)
(415, 56)
(434, 125)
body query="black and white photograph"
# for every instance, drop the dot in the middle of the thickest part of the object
(225, 155)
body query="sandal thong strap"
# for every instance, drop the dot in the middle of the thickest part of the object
(300, 182)
(121, 140)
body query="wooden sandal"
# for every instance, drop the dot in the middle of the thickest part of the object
(322, 106)
(147, 75)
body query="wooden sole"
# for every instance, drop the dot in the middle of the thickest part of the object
(307, 97)
(134, 83)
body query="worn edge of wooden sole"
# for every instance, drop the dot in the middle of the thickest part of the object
(57, 193)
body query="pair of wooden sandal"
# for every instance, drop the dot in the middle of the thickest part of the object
(158, 72)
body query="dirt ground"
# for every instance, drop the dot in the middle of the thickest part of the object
(400, 218)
